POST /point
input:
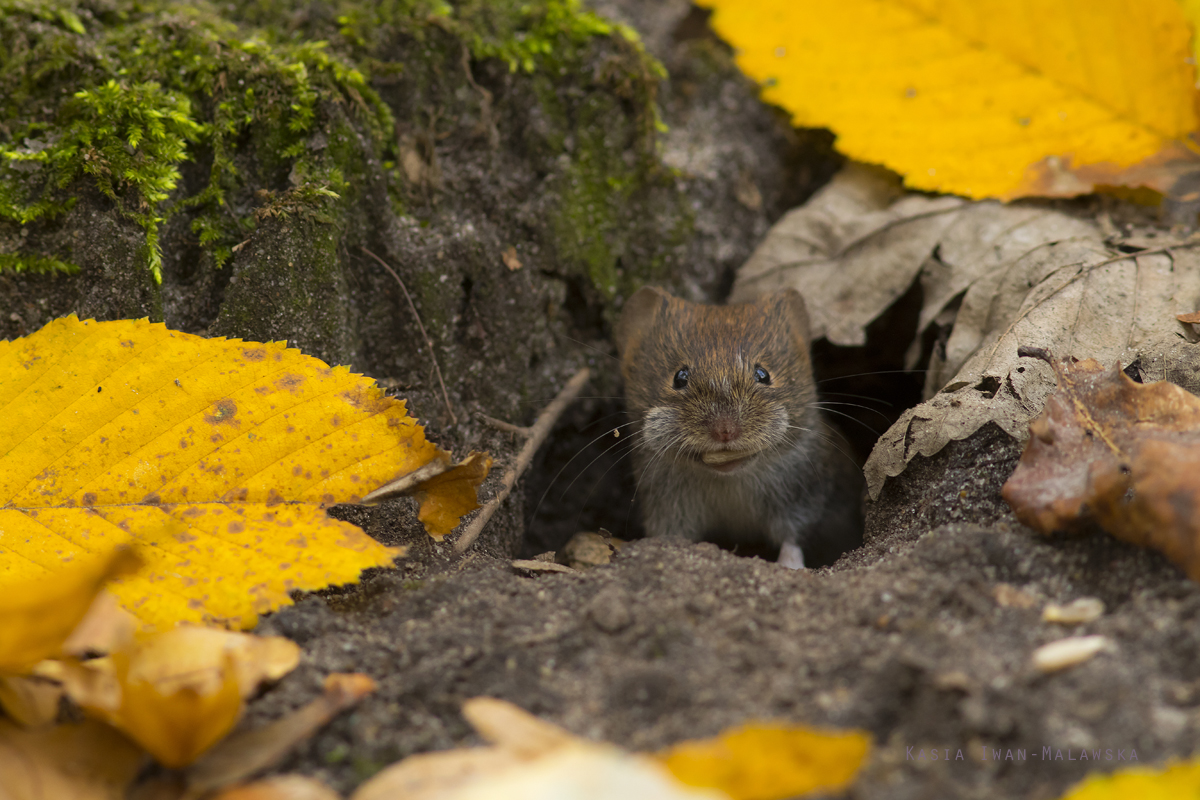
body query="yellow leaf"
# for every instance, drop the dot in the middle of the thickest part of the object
(982, 98)
(89, 761)
(770, 762)
(218, 455)
(39, 614)
(175, 726)
(1174, 782)
(445, 498)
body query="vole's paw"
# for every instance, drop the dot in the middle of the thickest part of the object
(790, 556)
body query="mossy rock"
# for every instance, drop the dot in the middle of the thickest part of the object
(241, 169)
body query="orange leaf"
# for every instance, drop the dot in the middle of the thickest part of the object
(446, 498)
(89, 761)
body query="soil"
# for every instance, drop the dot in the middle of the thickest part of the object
(923, 638)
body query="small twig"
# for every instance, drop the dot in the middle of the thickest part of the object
(501, 425)
(421, 326)
(537, 433)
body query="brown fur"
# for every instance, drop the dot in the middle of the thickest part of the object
(783, 493)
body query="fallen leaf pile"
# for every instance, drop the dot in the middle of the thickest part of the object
(993, 278)
(529, 757)
(1122, 455)
(981, 99)
(173, 694)
(218, 457)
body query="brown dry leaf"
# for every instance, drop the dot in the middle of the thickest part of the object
(104, 629)
(219, 455)
(509, 257)
(993, 278)
(30, 701)
(1120, 454)
(764, 761)
(244, 754)
(40, 614)
(88, 761)
(529, 758)
(281, 787)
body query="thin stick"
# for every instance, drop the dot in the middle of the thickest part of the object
(421, 325)
(537, 433)
(501, 425)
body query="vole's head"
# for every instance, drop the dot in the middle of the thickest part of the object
(717, 384)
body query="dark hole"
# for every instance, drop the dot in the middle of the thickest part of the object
(1134, 371)
(988, 386)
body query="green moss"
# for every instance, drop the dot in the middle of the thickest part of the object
(35, 263)
(123, 93)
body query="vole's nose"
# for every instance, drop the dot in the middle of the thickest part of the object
(725, 428)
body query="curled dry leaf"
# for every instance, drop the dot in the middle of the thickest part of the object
(40, 614)
(994, 278)
(770, 762)
(30, 701)
(1124, 455)
(444, 491)
(87, 761)
(105, 628)
(221, 455)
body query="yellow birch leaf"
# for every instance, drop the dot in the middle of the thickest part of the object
(39, 615)
(770, 762)
(983, 98)
(1172, 782)
(217, 456)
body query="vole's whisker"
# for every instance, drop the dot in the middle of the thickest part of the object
(825, 404)
(856, 420)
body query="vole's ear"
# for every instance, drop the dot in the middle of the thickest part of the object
(638, 315)
(790, 305)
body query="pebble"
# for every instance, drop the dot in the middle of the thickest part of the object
(1076, 612)
(1068, 652)
(610, 609)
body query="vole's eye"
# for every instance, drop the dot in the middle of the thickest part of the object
(762, 376)
(681, 379)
